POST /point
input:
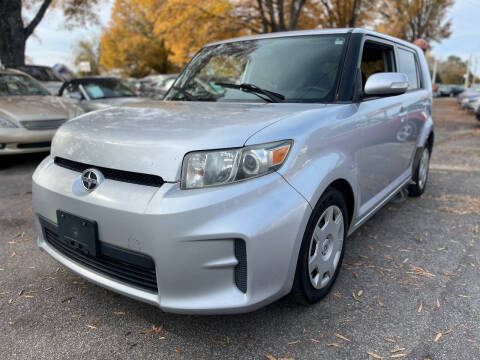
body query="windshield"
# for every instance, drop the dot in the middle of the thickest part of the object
(302, 69)
(40, 73)
(13, 84)
(107, 88)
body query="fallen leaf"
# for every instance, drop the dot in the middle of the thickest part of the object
(381, 303)
(389, 340)
(342, 337)
(180, 351)
(315, 340)
(68, 299)
(404, 261)
(397, 350)
(355, 275)
(270, 357)
(398, 356)
(94, 324)
(222, 342)
(438, 303)
(294, 342)
(333, 344)
(360, 293)
(439, 335)
(376, 356)
(119, 312)
(76, 316)
(447, 332)
(420, 308)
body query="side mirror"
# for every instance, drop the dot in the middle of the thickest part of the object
(386, 83)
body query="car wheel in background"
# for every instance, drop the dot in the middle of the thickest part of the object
(420, 175)
(322, 249)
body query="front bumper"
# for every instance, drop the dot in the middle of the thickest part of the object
(189, 234)
(22, 141)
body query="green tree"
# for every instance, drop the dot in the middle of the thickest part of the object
(88, 51)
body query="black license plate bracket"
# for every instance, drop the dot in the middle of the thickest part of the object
(78, 233)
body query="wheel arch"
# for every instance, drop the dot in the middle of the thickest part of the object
(344, 187)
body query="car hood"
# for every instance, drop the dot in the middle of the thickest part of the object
(116, 101)
(20, 108)
(52, 86)
(152, 137)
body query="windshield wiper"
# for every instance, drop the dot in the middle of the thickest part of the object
(185, 93)
(254, 89)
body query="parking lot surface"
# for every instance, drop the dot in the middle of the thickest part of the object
(409, 287)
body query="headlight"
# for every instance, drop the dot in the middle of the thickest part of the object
(4, 123)
(220, 167)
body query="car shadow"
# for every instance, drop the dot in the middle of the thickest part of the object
(24, 160)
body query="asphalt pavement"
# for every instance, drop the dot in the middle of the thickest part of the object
(409, 287)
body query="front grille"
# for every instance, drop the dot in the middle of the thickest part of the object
(112, 174)
(241, 268)
(42, 124)
(44, 144)
(123, 265)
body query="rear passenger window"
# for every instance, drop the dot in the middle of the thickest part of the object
(408, 66)
(376, 58)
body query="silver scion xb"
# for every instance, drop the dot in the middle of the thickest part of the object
(243, 184)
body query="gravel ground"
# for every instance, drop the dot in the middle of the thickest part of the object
(409, 287)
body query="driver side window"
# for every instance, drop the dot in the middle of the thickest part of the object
(376, 58)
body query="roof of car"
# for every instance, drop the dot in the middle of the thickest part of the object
(315, 32)
(11, 71)
(89, 79)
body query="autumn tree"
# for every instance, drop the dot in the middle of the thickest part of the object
(15, 29)
(130, 42)
(413, 19)
(186, 25)
(346, 13)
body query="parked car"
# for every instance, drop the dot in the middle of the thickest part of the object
(93, 93)
(469, 101)
(472, 91)
(29, 114)
(243, 184)
(476, 108)
(451, 90)
(162, 83)
(47, 77)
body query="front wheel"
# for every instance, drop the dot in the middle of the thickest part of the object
(420, 174)
(322, 248)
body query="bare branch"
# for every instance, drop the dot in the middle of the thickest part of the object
(36, 20)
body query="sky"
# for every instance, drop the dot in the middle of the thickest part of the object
(53, 44)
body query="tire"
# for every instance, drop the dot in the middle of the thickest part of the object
(327, 247)
(420, 175)
(478, 115)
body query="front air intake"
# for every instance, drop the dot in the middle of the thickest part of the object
(241, 268)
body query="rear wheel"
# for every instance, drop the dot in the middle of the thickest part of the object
(322, 249)
(420, 174)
